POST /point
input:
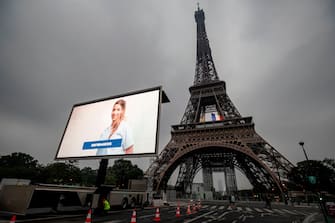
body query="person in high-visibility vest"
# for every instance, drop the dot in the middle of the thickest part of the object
(106, 205)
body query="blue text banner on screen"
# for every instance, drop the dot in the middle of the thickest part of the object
(101, 144)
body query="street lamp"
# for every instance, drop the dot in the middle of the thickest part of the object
(303, 149)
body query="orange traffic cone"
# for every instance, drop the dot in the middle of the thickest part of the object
(194, 208)
(88, 218)
(199, 205)
(178, 212)
(13, 219)
(188, 210)
(157, 217)
(133, 217)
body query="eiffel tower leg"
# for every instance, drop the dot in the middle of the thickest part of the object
(207, 174)
(230, 180)
(185, 177)
(188, 168)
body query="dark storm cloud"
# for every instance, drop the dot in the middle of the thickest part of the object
(52, 47)
(300, 96)
(276, 58)
(56, 54)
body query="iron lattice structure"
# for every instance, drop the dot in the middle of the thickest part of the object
(213, 136)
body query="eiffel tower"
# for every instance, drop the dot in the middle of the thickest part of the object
(213, 137)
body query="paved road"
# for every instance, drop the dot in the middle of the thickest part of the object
(209, 212)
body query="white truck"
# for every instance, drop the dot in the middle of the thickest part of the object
(135, 195)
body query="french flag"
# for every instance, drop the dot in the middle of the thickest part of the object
(216, 117)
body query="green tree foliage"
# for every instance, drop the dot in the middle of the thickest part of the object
(19, 165)
(24, 166)
(88, 176)
(330, 164)
(120, 173)
(61, 173)
(323, 171)
(18, 159)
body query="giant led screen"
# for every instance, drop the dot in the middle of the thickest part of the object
(124, 125)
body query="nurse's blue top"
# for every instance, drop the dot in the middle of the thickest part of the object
(124, 133)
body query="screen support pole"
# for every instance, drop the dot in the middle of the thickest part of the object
(101, 172)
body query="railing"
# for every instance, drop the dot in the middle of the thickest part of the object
(215, 124)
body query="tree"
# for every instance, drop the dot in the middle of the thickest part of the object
(120, 173)
(314, 175)
(18, 159)
(330, 164)
(61, 173)
(88, 176)
(19, 165)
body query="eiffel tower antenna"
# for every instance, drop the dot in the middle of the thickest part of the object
(205, 71)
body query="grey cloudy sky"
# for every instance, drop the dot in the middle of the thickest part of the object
(277, 58)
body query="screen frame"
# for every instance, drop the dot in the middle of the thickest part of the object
(135, 155)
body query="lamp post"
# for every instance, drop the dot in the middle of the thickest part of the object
(303, 149)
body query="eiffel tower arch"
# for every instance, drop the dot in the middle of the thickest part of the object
(213, 137)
